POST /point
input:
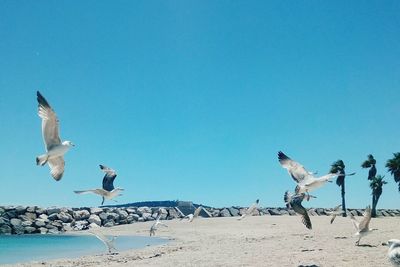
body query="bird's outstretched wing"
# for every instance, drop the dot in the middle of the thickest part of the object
(109, 177)
(298, 208)
(57, 167)
(354, 222)
(50, 129)
(197, 211)
(364, 223)
(109, 243)
(295, 169)
(97, 191)
(335, 212)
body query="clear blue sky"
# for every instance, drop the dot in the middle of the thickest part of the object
(192, 100)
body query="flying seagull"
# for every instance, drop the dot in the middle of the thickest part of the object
(362, 227)
(294, 201)
(109, 243)
(104, 193)
(250, 210)
(108, 179)
(196, 213)
(335, 212)
(54, 147)
(394, 251)
(155, 225)
(306, 181)
(108, 191)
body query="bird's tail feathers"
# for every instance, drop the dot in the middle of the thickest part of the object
(42, 159)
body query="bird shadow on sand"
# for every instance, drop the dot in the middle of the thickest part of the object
(341, 237)
(312, 265)
(367, 245)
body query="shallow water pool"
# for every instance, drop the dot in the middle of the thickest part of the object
(24, 248)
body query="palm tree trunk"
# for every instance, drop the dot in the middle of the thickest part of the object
(374, 203)
(343, 201)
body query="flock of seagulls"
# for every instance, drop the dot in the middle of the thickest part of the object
(305, 183)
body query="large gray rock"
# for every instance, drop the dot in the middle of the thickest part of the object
(43, 230)
(53, 216)
(67, 227)
(43, 217)
(173, 214)
(30, 229)
(4, 221)
(20, 210)
(96, 211)
(30, 215)
(131, 210)
(274, 211)
(5, 230)
(40, 222)
(18, 229)
(80, 225)
(109, 223)
(122, 214)
(53, 210)
(234, 211)
(11, 214)
(81, 215)
(147, 216)
(65, 217)
(15, 222)
(93, 225)
(31, 209)
(94, 219)
(142, 210)
(224, 213)
(26, 223)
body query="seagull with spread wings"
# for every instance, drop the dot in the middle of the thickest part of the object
(294, 201)
(155, 225)
(108, 191)
(250, 210)
(362, 227)
(335, 212)
(109, 243)
(306, 181)
(195, 214)
(54, 147)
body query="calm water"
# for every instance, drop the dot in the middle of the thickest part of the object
(25, 248)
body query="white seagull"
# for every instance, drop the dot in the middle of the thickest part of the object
(294, 201)
(54, 147)
(196, 213)
(109, 243)
(306, 181)
(155, 225)
(394, 251)
(108, 179)
(362, 227)
(335, 212)
(104, 193)
(250, 210)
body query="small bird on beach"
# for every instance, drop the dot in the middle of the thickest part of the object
(250, 210)
(362, 227)
(394, 251)
(109, 243)
(155, 225)
(294, 201)
(196, 213)
(335, 212)
(306, 181)
(108, 191)
(55, 149)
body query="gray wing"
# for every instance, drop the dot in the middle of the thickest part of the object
(94, 191)
(296, 170)
(298, 208)
(109, 177)
(49, 123)
(364, 223)
(57, 167)
(197, 211)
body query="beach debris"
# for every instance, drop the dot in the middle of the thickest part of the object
(55, 149)
(107, 191)
(362, 227)
(250, 210)
(394, 251)
(306, 181)
(294, 201)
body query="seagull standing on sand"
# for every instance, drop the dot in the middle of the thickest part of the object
(294, 201)
(155, 225)
(54, 147)
(335, 212)
(394, 251)
(250, 210)
(362, 227)
(306, 181)
(109, 243)
(108, 191)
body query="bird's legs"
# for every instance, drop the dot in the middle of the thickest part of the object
(358, 241)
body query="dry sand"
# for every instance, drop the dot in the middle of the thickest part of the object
(254, 241)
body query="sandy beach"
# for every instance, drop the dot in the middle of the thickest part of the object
(255, 241)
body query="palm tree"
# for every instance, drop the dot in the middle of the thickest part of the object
(338, 166)
(376, 186)
(393, 166)
(370, 163)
